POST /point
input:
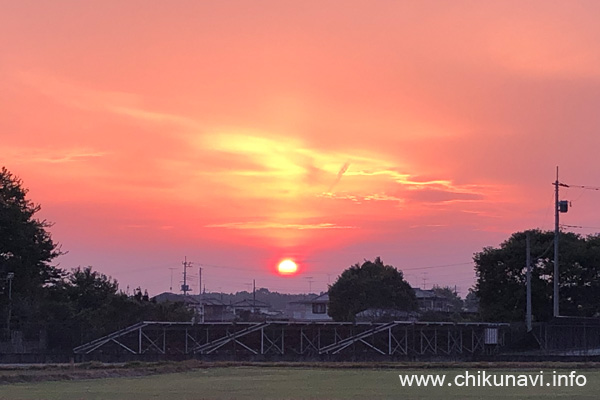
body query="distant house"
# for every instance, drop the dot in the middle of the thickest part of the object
(310, 310)
(190, 302)
(252, 306)
(168, 296)
(206, 309)
(214, 310)
(428, 300)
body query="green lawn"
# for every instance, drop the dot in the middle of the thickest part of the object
(290, 383)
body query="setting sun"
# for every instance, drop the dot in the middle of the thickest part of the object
(287, 267)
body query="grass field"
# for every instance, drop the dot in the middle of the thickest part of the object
(245, 383)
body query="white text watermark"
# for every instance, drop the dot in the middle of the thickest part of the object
(487, 379)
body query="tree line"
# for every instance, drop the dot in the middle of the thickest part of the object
(72, 307)
(500, 288)
(41, 300)
(501, 276)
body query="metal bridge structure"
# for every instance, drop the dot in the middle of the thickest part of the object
(279, 340)
(569, 336)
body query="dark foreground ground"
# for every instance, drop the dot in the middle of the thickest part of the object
(265, 381)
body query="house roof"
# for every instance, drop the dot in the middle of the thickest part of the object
(174, 297)
(430, 295)
(424, 294)
(323, 298)
(251, 303)
(211, 301)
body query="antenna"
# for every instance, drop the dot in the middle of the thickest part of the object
(171, 287)
(310, 280)
(185, 288)
(199, 280)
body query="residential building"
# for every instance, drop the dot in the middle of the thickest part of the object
(310, 310)
(428, 300)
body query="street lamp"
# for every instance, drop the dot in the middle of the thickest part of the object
(9, 278)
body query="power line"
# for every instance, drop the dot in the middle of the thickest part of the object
(597, 188)
(223, 266)
(437, 266)
(579, 226)
(323, 273)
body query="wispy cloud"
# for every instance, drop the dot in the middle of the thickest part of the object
(406, 179)
(286, 175)
(276, 225)
(450, 195)
(383, 197)
(51, 156)
(140, 113)
(80, 96)
(341, 196)
(147, 227)
(73, 94)
(360, 199)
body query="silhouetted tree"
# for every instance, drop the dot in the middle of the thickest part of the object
(471, 302)
(456, 303)
(26, 249)
(501, 277)
(90, 289)
(71, 307)
(88, 304)
(370, 285)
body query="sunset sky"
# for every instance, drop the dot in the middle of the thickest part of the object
(240, 133)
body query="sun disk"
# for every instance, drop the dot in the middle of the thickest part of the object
(287, 267)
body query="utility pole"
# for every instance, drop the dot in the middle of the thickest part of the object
(203, 310)
(9, 277)
(200, 280)
(528, 261)
(559, 207)
(254, 294)
(556, 233)
(171, 287)
(185, 287)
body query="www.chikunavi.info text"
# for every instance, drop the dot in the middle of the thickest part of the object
(487, 379)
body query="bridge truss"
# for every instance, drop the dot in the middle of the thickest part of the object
(300, 340)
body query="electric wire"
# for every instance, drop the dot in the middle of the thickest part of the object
(586, 187)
